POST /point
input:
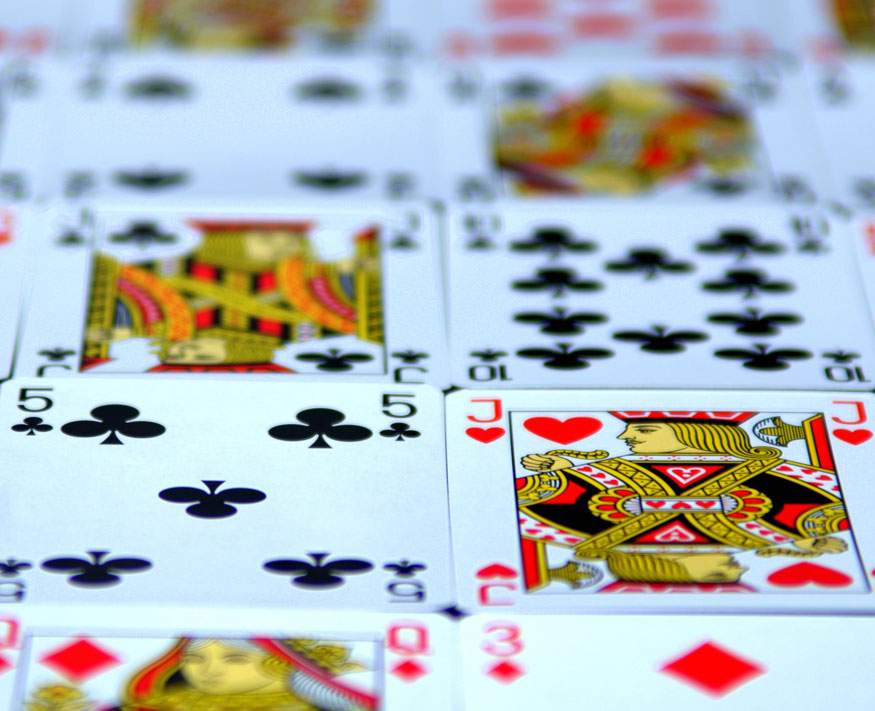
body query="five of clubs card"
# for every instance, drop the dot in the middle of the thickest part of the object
(368, 355)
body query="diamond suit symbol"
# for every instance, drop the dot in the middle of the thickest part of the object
(506, 672)
(80, 659)
(5, 664)
(713, 670)
(409, 670)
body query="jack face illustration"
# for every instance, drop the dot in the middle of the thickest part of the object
(233, 302)
(692, 497)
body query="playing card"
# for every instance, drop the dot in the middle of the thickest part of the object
(304, 27)
(167, 129)
(661, 128)
(665, 662)
(843, 94)
(595, 500)
(160, 658)
(655, 297)
(248, 494)
(644, 27)
(323, 294)
(825, 27)
(13, 256)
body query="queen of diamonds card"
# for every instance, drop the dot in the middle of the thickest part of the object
(209, 674)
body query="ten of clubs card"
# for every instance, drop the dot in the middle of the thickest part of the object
(656, 297)
(585, 500)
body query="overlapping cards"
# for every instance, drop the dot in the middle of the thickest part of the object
(359, 355)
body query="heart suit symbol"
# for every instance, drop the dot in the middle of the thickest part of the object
(563, 431)
(496, 570)
(485, 434)
(854, 437)
(795, 576)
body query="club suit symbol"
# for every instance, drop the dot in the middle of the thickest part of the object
(56, 355)
(557, 282)
(400, 431)
(143, 234)
(328, 90)
(740, 243)
(553, 241)
(761, 358)
(321, 573)
(749, 283)
(96, 570)
(159, 88)
(650, 263)
(753, 322)
(31, 426)
(560, 320)
(660, 340)
(330, 179)
(563, 357)
(334, 360)
(321, 423)
(113, 420)
(211, 503)
(151, 179)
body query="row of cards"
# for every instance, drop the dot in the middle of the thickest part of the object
(169, 659)
(457, 28)
(656, 297)
(336, 496)
(675, 130)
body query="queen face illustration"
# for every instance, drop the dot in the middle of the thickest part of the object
(220, 667)
(215, 674)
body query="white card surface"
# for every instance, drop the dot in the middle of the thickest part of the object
(249, 494)
(164, 130)
(322, 293)
(655, 297)
(664, 662)
(593, 501)
(843, 92)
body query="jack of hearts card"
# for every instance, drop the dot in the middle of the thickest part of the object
(581, 500)
(318, 294)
